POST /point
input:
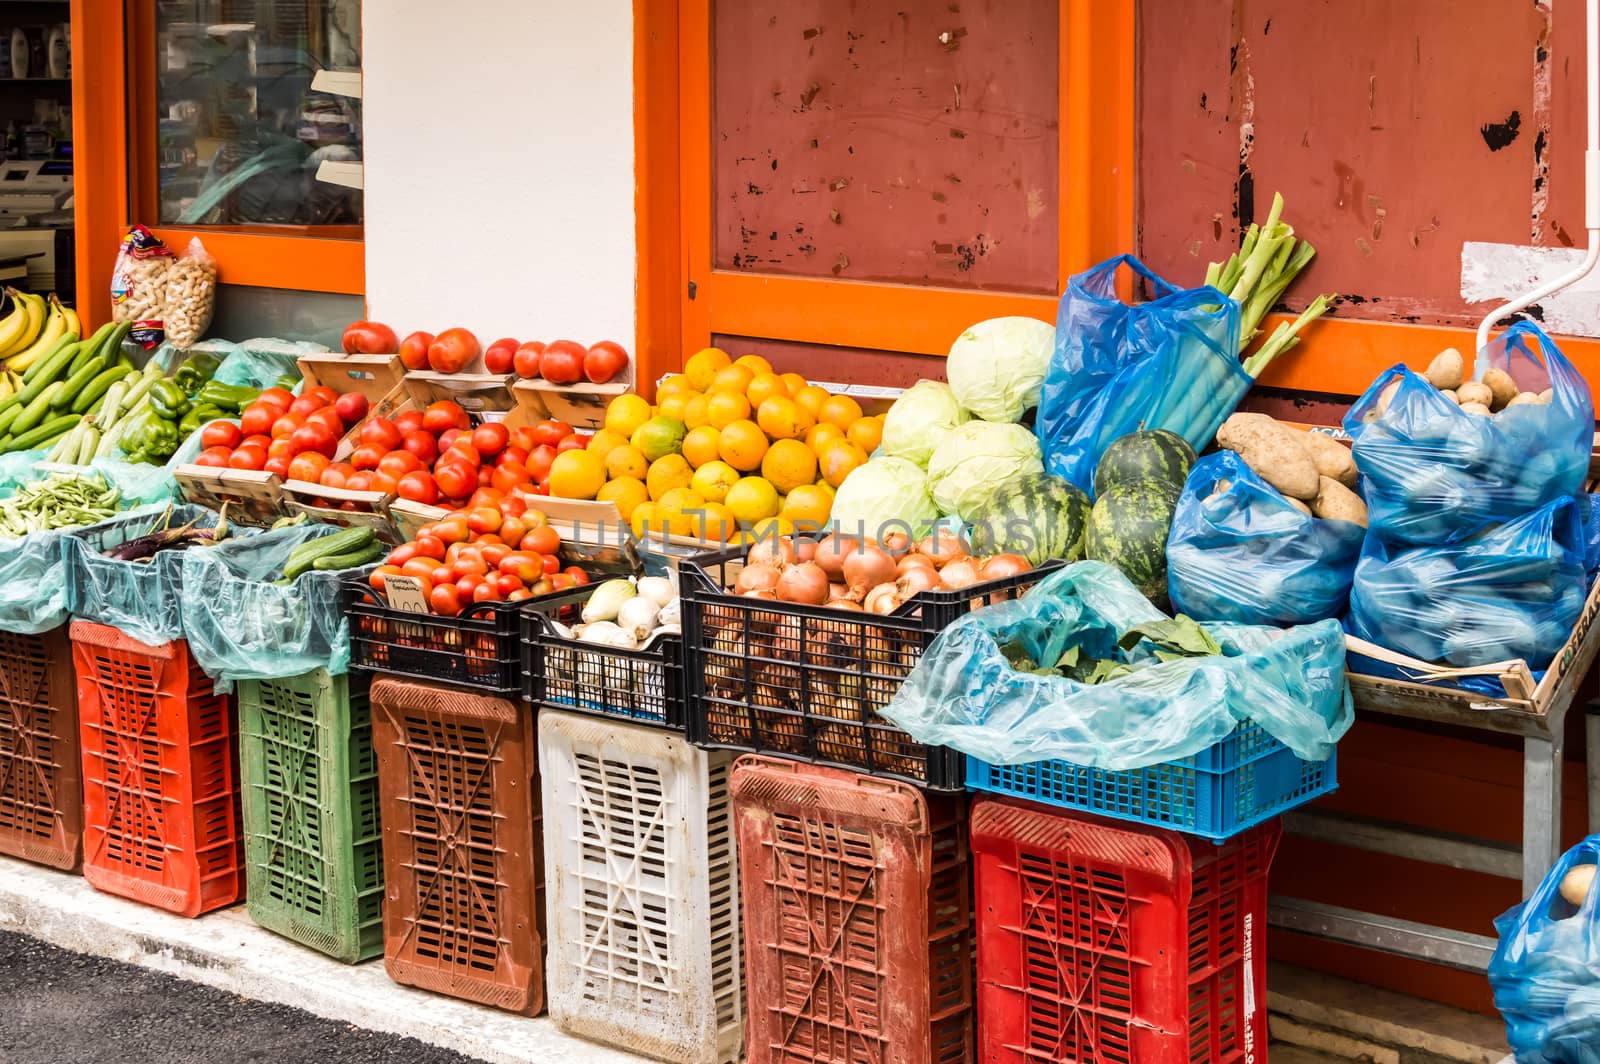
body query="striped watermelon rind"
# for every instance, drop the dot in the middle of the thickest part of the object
(1038, 516)
(1128, 528)
(1149, 454)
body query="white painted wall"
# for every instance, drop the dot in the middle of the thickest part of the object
(499, 167)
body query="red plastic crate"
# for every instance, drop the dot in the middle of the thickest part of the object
(160, 774)
(858, 922)
(458, 789)
(41, 795)
(1107, 943)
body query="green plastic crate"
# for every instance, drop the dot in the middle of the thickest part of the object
(313, 845)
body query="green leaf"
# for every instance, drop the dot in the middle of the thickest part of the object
(1017, 657)
(1182, 636)
(1106, 669)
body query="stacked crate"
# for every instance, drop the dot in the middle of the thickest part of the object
(41, 796)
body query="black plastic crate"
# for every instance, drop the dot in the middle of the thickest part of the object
(639, 686)
(481, 648)
(806, 682)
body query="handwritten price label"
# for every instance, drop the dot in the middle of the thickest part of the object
(405, 594)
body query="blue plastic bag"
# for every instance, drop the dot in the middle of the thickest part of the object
(1546, 969)
(1435, 473)
(1514, 591)
(963, 693)
(1243, 553)
(1172, 363)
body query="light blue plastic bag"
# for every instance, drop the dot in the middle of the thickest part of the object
(1435, 473)
(1172, 363)
(246, 627)
(33, 578)
(964, 694)
(1245, 554)
(1546, 969)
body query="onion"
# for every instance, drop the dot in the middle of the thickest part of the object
(838, 591)
(896, 542)
(844, 604)
(777, 551)
(885, 598)
(868, 567)
(943, 546)
(805, 583)
(757, 577)
(761, 593)
(915, 561)
(1001, 566)
(832, 552)
(959, 574)
(917, 578)
(805, 549)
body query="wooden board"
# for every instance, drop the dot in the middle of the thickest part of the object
(475, 392)
(409, 516)
(254, 497)
(369, 509)
(374, 376)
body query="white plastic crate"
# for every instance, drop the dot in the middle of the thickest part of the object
(642, 890)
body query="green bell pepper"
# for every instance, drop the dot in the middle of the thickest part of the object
(169, 400)
(199, 415)
(196, 371)
(234, 397)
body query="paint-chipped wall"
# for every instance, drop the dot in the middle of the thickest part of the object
(1396, 132)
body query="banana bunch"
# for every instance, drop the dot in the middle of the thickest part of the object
(34, 327)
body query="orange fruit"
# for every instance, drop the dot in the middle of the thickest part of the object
(605, 441)
(703, 365)
(782, 418)
(819, 436)
(677, 382)
(840, 460)
(793, 383)
(752, 500)
(626, 461)
(713, 480)
(743, 445)
(754, 363)
(789, 464)
(644, 521)
(627, 492)
(724, 408)
(577, 475)
(735, 378)
(675, 404)
(866, 433)
(626, 413)
(667, 473)
(714, 522)
(768, 527)
(840, 410)
(680, 507)
(764, 386)
(695, 412)
(811, 398)
(808, 506)
(659, 437)
(700, 446)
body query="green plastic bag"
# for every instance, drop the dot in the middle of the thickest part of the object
(247, 627)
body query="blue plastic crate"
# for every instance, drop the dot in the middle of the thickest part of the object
(1246, 779)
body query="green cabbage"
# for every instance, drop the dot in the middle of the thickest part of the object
(974, 459)
(918, 420)
(997, 367)
(881, 492)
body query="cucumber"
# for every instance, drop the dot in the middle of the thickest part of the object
(89, 347)
(351, 560)
(78, 382)
(112, 348)
(6, 419)
(43, 434)
(31, 374)
(34, 412)
(100, 385)
(51, 367)
(302, 560)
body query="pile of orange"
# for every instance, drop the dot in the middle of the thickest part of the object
(731, 446)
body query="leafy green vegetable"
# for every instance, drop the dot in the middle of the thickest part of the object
(1181, 637)
(1172, 640)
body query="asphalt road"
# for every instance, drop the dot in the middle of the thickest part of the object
(58, 1007)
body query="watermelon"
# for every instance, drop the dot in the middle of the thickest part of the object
(1149, 454)
(1036, 515)
(1128, 528)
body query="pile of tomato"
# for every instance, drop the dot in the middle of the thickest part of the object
(283, 434)
(493, 551)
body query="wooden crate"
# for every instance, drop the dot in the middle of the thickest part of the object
(582, 405)
(381, 378)
(369, 509)
(254, 497)
(477, 393)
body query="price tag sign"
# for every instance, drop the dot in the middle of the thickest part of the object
(405, 594)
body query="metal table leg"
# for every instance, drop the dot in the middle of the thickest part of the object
(1541, 808)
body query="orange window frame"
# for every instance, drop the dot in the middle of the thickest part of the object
(114, 134)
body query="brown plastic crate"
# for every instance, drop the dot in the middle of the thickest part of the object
(41, 791)
(858, 918)
(462, 851)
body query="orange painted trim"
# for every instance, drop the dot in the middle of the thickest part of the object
(303, 264)
(694, 162)
(1098, 93)
(659, 258)
(99, 134)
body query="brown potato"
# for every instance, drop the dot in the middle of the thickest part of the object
(1474, 392)
(1333, 459)
(1450, 394)
(1476, 408)
(1523, 398)
(1298, 505)
(1230, 428)
(1277, 455)
(1501, 385)
(1336, 502)
(1446, 370)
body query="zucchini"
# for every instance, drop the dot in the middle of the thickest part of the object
(51, 367)
(112, 348)
(6, 419)
(31, 374)
(100, 385)
(78, 382)
(34, 412)
(49, 432)
(90, 346)
(350, 560)
(302, 559)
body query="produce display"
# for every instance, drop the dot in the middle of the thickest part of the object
(31, 329)
(163, 537)
(350, 549)
(56, 502)
(162, 412)
(627, 612)
(455, 350)
(56, 388)
(1316, 473)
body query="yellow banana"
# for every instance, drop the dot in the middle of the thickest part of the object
(14, 379)
(55, 327)
(36, 311)
(13, 327)
(73, 324)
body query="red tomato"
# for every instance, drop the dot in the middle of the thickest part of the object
(562, 362)
(485, 476)
(574, 442)
(484, 519)
(285, 426)
(450, 436)
(515, 504)
(549, 432)
(526, 360)
(260, 441)
(507, 585)
(381, 432)
(508, 475)
(499, 356)
(308, 466)
(445, 600)
(486, 592)
(539, 463)
(493, 553)
(323, 394)
(414, 350)
(421, 568)
(402, 554)
(358, 481)
(519, 455)
(423, 445)
(552, 564)
(451, 350)
(336, 475)
(522, 594)
(604, 361)
(455, 480)
(276, 397)
(522, 438)
(305, 405)
(281, 449)
(408, 421)
(351, 407)
(470, 561)
(398, 463)
(429, 546)
(328, 418)
(314, 437)
(484, 497)
(369, 338)
(462, 450)
(216, 457)
(418, 486)
(490, 438)
(257, 419)
(443, 575)
(524, 566)
(467, 585)
(221, 434)
(579, 577)
(512, 528)
(366, 456)
(375, 579)
(383, 482)
(249, 457)
(562, 582)
(445, 415)
(542, 540)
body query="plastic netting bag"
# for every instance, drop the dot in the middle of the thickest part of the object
(1546, 969)
(246, 626)
(1435, 473)
(964, 693)
(1172, 363)
(144, 599)
(1514, 591)
(1239, 551)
